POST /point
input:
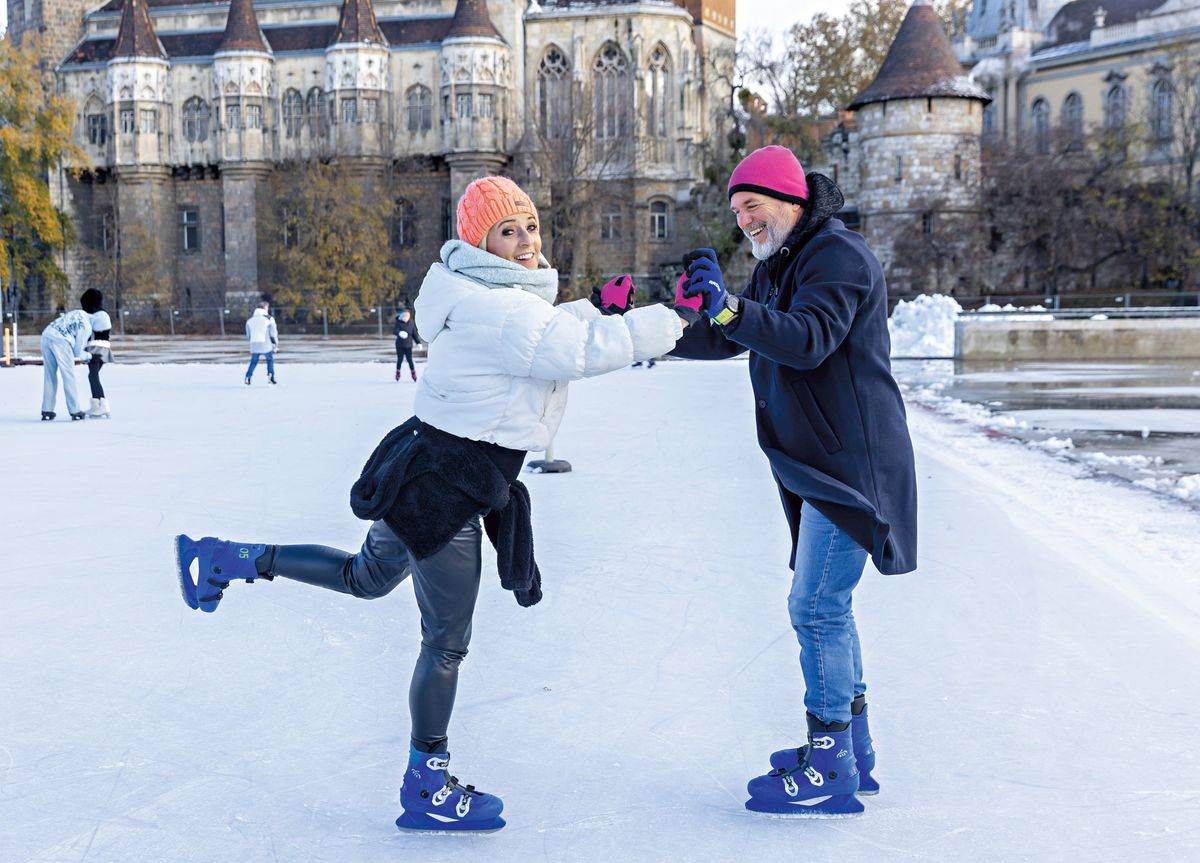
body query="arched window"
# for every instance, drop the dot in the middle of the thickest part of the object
(1162, 107)
(660, 221)
(1072, 120)
(1114, 109)
(293, 113)
(419, 109)
(611, 93)
(554, 94)
(658, 93)
(1041, 126)
(195, 119)
(316, 112)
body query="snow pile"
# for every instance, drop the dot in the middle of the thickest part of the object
(1138, 462)
(1186, 488)
(924, 327)
(1054, 444)
(1022, 312)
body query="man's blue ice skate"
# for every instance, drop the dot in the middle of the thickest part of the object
(217, 563)
(864, 754)
(822, 783)
(435, 801)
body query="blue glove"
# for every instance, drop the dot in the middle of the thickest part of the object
(704, 279)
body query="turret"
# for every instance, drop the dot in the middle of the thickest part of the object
(137, 87)
(356, 76)
(243, 80)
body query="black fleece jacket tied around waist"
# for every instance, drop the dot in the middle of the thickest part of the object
(426, 484)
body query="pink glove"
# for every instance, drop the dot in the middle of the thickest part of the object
(687, 308)
(617, 295)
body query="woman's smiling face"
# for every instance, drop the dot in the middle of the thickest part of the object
(517, 239)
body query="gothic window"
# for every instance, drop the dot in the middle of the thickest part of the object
(1073, 120)
(610, 223)
(1114, 109)
(108, 232)
(233, 116)
(659, 221)
(195, 119)
(1162, 104)
(148, 121)
(189, 230)
(127, 124)
(1041, 126)
(289, 220)
(370, 110)
(254, 116)
(658, 93)
(317, 112)
(293, 113)
(487, 105)
(420, 109)
(462, 106)
(611, 93)
(404, 225)
(350, 111)
(554, 94)
(97, 129)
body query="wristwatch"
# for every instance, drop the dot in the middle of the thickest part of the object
(728, 313)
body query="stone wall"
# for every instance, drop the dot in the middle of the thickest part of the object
(1066, 340)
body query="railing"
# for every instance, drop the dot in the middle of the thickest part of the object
(1091, 302)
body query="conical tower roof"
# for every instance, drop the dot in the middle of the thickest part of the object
(357, 24)
(920, 64)
(137, 37)
(241, 29)
(471, 19)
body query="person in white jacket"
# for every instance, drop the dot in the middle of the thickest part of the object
(501, 356)
(264, 340)
(63, 341)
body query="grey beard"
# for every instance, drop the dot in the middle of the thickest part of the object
(770, 246)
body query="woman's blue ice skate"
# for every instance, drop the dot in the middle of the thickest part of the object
(864, 754)
(822, 783)
(434, 801)
(217, 563)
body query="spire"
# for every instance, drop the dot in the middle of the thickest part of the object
(919, 64)
(241, 29)
(136, 37)
(471, 19)
(357, 24)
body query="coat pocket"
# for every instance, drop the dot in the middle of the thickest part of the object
(816, 416)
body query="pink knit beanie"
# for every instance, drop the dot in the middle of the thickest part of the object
(487, 201)
(773, 171)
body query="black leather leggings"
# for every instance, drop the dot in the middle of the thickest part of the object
(446, 585)
(404, 351)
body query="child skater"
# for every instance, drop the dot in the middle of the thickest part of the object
(100, 349)
(495, 386)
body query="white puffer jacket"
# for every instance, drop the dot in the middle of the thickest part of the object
(500, 357)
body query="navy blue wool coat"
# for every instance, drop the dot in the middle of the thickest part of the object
(829, 414)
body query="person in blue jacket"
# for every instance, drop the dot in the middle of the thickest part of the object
(831, 422)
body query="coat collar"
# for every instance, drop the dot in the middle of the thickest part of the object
(825, 200)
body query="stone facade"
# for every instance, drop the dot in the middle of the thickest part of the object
(186, 117)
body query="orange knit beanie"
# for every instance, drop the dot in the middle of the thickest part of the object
(485, 202)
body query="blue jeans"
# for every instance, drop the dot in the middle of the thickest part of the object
(270, 355)
(829, 565)
(58, 357)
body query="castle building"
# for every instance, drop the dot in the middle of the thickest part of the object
(188, 108)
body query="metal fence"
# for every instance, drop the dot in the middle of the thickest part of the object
(1085, 302)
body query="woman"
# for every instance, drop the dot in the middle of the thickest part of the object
(495, 386)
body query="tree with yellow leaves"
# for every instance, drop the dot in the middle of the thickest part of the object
(35, 136)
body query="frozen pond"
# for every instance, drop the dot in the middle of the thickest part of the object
(1136, 421)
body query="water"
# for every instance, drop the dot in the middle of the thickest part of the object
(1136, 421)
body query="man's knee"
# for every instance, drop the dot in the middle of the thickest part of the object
(447, 657)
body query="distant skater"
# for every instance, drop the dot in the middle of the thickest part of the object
(407, 338)
(264, 340)
(100, 349)
(63, 341)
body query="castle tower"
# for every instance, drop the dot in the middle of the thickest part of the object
(243, 80)
(920, 124)
(476, 89)
(356, 75)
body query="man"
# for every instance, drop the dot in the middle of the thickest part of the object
(63, 341)
(407, 338)
(264, 339)
(832, 424)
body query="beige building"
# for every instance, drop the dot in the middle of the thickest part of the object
(187, 108)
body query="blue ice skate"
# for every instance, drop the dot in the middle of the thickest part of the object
(864, 754)
(822, 783)
(435, 801)
(217, 563)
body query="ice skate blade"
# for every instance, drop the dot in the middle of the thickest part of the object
(184, 555)
(837, 806)
(409, 823)
(867, 786)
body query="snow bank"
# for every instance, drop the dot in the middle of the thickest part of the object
(924, 327)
